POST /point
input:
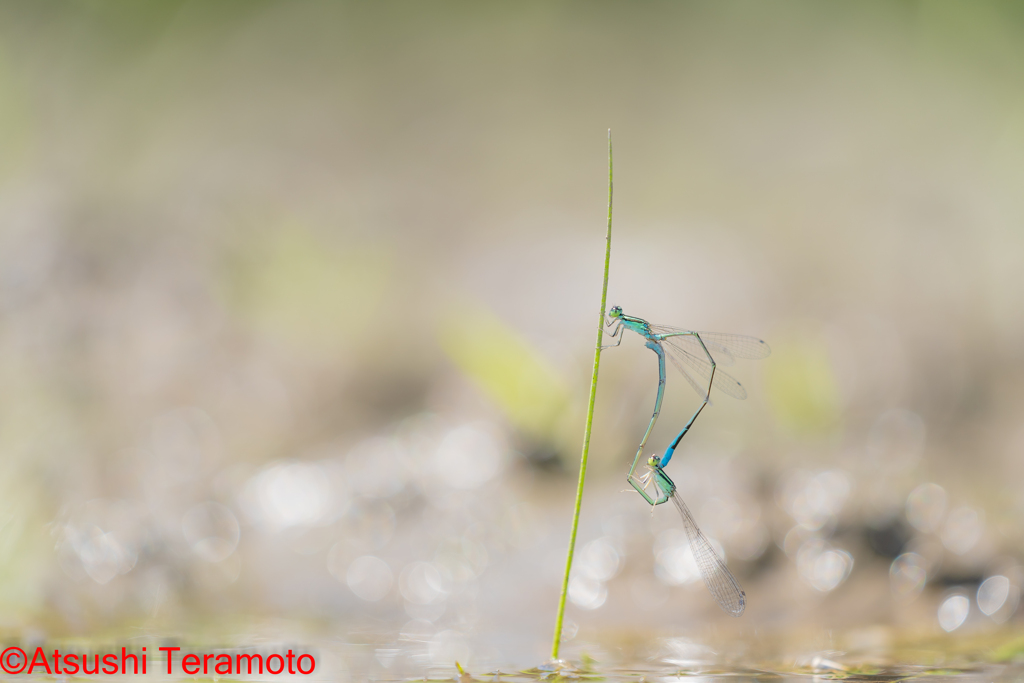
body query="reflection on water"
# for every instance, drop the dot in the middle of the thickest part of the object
(926, 507)
(369, 578)
(908, 575)
(212, 530)
(419, 652)
(435, 524)
(953, 612)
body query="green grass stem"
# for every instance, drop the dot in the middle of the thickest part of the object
(590, 418)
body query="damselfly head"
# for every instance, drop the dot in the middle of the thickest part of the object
(615, 311)
(654, 461)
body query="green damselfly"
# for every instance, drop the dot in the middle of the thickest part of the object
(693, 350)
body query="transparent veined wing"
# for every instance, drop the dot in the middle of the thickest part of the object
(723, 346)
(717, 577)
(721, 354)
(739, 345)
(700, 389)
(724, 349)
(679, 353)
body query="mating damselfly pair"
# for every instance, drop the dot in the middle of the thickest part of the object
(699, 353)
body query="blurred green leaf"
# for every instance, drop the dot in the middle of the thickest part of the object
(802, 387)
(509, 370)
(15, 123)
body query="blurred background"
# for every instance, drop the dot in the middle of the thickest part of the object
(298, 304)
